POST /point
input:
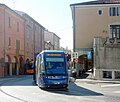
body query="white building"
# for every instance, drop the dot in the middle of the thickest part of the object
(52, 41)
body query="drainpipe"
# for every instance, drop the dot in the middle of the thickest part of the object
(4, 43)
(73, 16)
(53, 42)
(73, 28)
(34, 35)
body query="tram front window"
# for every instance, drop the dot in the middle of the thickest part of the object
(55, 68)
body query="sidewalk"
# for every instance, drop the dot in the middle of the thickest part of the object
(88, 77)
(10, 77)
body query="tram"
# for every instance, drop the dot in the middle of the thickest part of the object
(51, 69)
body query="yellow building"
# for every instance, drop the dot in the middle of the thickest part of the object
(95, 18)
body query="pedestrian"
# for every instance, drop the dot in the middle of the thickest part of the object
(31, 63)
(68, 64)
(79, 69)
(27, 65)
(74, 73)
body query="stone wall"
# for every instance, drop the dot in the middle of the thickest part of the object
(106, 58)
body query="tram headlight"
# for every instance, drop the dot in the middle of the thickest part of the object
(65, 77)
(49, 77)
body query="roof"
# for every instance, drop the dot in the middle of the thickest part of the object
(6, 7)
(94, 3)
(52, 51)
(21, 13)
(49, 51)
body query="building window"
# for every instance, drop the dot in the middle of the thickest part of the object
(115, 31)
(17, 26)
(114, 11)
(118, 11)
(117, 74)
(9, 22)
(100, 12)
(18, 44)
(9, 42)
(107, 74)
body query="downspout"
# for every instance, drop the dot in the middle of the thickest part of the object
(41, 30)
(73, 17)
(53, 41)
(34, 35)
(4, 42)
(24, 38)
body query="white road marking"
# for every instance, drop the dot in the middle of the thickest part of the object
(110, 85)
(116, 91)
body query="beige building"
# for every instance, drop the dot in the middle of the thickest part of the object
(94, 19)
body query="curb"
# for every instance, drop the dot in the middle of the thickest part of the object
(98, 81)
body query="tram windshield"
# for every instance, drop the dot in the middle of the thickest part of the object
(55, 66)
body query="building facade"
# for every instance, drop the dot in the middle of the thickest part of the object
(99, 18)
(52, 41)
(34, 36)
(56, 40)
(12, 42)
(21, 36)
(106, 58)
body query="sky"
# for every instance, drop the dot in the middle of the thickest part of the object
(54, 15)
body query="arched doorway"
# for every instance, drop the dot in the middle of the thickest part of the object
(14, 66)
(7, 66)
(88, 64)
(83, 59)
(21, 65)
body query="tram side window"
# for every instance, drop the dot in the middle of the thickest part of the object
(42, 66)
(38, 66)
